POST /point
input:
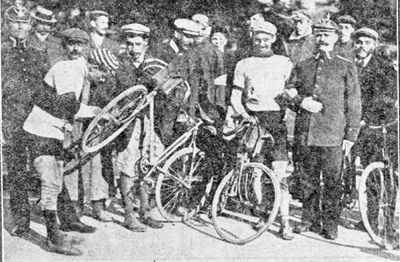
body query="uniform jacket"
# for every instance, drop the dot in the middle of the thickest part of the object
(334, 83)
(51, 45)
(300, 49)
(22, 70)
(378, 91)
(346, 49)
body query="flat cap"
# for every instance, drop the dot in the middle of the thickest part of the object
(201, 19)
(17, 13)
(265, 27)
(325, 25)
(75, 34)
(44, 15)
(187, 26)
(136, 29)
(368, 32)
(301, 14)
(346, 19)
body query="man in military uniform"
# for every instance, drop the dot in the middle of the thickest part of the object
(42, 38)
(23, 68)
(328, 107)
(347, 26)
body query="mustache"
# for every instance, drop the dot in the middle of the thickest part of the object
(322, 43)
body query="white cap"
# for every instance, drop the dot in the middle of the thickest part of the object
(266, 27)
(136, 28)
(187, 26)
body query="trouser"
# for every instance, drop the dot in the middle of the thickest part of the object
(16, 158)
(327, 160)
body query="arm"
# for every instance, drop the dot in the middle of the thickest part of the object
(352, 104)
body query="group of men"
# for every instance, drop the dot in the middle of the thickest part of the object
(313, 90)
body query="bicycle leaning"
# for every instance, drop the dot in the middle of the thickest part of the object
(378, 197)
(247, 200)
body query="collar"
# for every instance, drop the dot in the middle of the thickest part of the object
(365, 61)
(324, 55)
(294, 36)
(97, 39)
(174, 46)
(140, 60)
(42, 38)
(268, 54)
(18, 44)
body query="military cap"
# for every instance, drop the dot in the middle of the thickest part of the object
(17, 13)
(136, 29)
(187, 26)
(325, 25)
(346, 19)
(201, 19)
(301, 14)
(368, 32)
(266, 27)
(75, 34)
(44, 15)
(104, 57)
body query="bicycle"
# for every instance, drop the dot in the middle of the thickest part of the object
(379, 200)
(247, 200)
(176, 168)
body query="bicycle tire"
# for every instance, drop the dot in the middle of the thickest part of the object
(236, 221)
(378, 221)
(124, 109)
(170, 194)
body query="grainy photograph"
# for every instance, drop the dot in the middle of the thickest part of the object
(199, 130)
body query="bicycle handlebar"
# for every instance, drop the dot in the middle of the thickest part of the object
(383, 125)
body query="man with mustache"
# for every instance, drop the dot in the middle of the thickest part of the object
(257, 81)
(99, 22)
(42, 39)
(328, 107)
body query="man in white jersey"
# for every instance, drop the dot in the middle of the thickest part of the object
(259, 79)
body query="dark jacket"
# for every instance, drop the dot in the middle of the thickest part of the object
(51, 45)
(22, 72)
(300, 49)
(334, 83)
(346, 49)
(378, 91)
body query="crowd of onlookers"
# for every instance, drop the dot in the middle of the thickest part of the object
(314, 84)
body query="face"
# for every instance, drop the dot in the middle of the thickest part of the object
(42, 28)
(100, 25)
(262, 42)
(19, 29)
(301, 26)
(345, 31)
(219, 40)
(186, 41)
(75, 49)
(325, 41)
(136, 46)
(364, 46)
(96, 74)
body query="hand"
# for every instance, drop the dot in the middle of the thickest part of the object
(292, 92)
(97, 110)
(311, 105)
(347, 145)
(363, 123)
(67, 126)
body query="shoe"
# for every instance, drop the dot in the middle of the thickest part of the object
(286, 231)
(20, 231)
(64, 248)
(133, 224)
(302, 228)
(99, 213)
(78, 226)
(148, 221)
(74, 240)
(331, 235)
(360, 226)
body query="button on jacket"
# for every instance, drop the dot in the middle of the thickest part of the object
(334, 83)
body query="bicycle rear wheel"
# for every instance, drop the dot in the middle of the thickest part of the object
(123, 109)
(181, 184)
(377, 200)
(238, 213)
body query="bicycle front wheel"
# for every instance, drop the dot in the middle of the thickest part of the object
(181, 184)
(246, 203)
(114, 118)
(377, 200)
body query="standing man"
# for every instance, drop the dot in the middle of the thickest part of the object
(23, 69)
(257, 81)
(99, 22)
(42, 39)
(347, 26)
(328, 107)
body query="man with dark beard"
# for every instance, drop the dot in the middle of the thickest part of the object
(42, 39)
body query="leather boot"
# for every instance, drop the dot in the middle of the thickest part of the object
(99, 212)
(56, 240)
(132, 223)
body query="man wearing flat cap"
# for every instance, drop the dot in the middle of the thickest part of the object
(328, 107)
(347, 25)
(378, 85)
(99, 22)
(22, 71)
(258, 79)
(42, 38)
